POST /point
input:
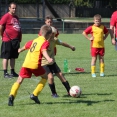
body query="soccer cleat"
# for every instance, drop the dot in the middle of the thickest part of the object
(55, 95)
(7, 75)
(35, 98)
(102, 74)
(14, 74)
(11, 99)
(93, 75)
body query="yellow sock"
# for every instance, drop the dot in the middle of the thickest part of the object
(14, 89)
(102, 67)
(93, 69)
(40, 86)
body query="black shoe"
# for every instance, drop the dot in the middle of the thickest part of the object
(55, 95)
(14, 74)
(35, 98)
(11, 99)
(7, 75)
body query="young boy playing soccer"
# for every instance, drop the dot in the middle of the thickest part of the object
(98, 34)
(53, 68)
(50, 69)
(32, 64)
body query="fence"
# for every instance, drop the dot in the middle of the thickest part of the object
(90, 12)
(63, 10)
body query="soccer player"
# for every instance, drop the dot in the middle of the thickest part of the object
(50, 69)
(54, 68)
(98, 34)
(32, 64)
(10, 32)
(49, 22)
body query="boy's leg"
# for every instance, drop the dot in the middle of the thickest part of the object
(67, 86)
(38, 89)
(93, 67)
(102, 66)
(14, 90)
(52, 85)
(64, 81)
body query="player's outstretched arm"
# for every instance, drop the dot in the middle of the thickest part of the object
(21, 49)
(68, 46)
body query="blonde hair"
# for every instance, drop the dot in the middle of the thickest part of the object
(54, 30)
(97, 16)
(46, 30)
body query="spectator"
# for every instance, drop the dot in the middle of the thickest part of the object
(11, 35)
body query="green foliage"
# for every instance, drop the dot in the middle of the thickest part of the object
(39, 1)
(85, 3)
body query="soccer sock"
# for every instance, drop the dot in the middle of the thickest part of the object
(14, 89)
(12, 71)
(93, 69)
(66, 85)
(5, 71)
(52, 88)
(102, 67)
(40, 86)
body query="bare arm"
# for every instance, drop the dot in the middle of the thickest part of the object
(45, 54)
(21, 49)
(106, 35)
(87, 37)
(1, 30)
(112, 34)
(68, 46)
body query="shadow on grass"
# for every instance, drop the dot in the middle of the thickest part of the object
(111, 75)
(70, 101)
(71, 73)
(97, 94)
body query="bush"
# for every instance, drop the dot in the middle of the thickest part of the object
(35, 1)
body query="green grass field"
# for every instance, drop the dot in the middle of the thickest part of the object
(99, 95)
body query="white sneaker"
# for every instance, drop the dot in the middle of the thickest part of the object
(102, 74)
(93, 75)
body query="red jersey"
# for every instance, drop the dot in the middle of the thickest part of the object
(113, 21)
(34, 55)
(11, 27)
(97, 32)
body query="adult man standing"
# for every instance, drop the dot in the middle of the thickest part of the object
(113, 28)
(11, 36)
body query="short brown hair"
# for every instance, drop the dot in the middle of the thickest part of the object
(12, 3)
(97, 16)
(48, 17)
(46, 30)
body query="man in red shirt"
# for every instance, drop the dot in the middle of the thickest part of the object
(113, 27)
(11, 35)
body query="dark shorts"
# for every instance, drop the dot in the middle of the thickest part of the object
(52, 68)
(7, 51)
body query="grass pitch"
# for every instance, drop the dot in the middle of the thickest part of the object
(99, 95)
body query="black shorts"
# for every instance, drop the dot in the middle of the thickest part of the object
(7, 51)
(52, 68)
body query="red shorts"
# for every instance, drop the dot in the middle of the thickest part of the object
(27, 72)
(97, 51)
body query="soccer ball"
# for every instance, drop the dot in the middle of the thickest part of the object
(75, 91)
